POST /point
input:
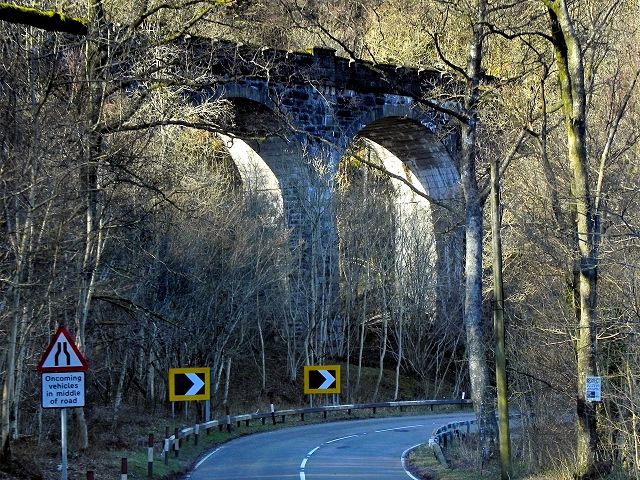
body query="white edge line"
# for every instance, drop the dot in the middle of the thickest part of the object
(313, 451)
(206, 458)
(302, 477)
(304, 462)
(403, 459)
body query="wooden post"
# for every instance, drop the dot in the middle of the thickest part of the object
(273, 409)
(228, 413)
(439, 455)
(91, 475)
(150, 456)
(123, 468)
(504, 436)
(165, 451)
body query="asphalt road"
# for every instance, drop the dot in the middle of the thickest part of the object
(359, 449)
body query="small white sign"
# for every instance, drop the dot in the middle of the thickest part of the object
(63, 390)
(593, 389)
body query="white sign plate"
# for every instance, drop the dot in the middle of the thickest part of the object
(63, 390)
(593, 389)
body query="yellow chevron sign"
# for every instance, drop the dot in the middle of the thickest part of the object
(189, 384)
(322, 379)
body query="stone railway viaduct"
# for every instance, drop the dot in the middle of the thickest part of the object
(295, 109)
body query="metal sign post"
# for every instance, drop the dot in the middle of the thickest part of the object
(63, 443)
(62, 384)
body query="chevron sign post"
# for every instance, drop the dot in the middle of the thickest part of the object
(322, 379)
(186, 384)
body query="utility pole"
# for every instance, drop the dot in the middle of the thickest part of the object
(498, 326)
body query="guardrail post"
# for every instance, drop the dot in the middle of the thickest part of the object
(374, 410)
(150, 456)
(123, 468)
(176, 442)
(264, 420)
(196, 433)
(302, 417)
(324, 414)
(228, 413)
(439, 455)
(91, 475)
(283, 418)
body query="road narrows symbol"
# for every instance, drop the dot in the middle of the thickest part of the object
(62, 355)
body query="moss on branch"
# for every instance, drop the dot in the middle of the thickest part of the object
(46, 19)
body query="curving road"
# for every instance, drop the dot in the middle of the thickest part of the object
(360, 449)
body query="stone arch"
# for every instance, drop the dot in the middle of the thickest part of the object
(408, 146)
(260, 146)
(271, 156)
(396, 108)
(255, 174)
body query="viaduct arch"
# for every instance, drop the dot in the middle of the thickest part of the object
(295, 117)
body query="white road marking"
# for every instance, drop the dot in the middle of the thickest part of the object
(398, 428)
(206, 458)
(403, 459)
(341, 438)
(303, 464)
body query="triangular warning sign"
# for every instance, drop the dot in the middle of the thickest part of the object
(62, 355)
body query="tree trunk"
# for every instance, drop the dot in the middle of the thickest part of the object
(476, 350)
(263, 360)
(227, 382)
(571, 79)
(473, 321)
